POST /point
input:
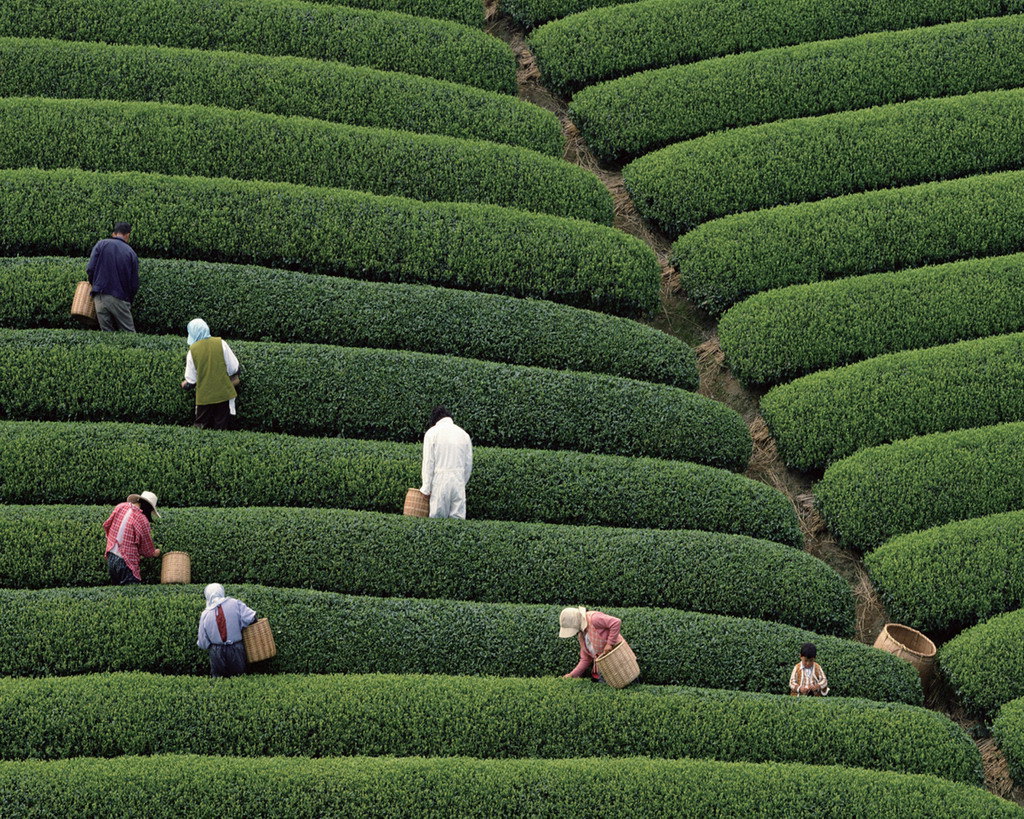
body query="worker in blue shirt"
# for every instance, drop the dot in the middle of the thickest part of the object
(113, 272)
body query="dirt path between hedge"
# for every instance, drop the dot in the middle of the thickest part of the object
(679, 317)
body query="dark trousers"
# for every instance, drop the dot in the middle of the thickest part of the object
(112, 313)
(213, 416)
(120, 574)
(227, 661)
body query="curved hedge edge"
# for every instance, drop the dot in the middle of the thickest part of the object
(1006, 728)
(985, 663)
(324, 632)
(484, 561)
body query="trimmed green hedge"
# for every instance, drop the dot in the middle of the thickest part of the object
(487, 561)
(94, 463)
(813, 158)
(923, 482)
(784, 333)
(633, 115)
(275, 85)
(1008, 729)
(259, 303)
(174, 786)
(305, 389)
(322, 632)
(952, 576)
(326, 230)
(610, 42)
(723, 261)
(377, 39)
(985, 664)
(97, 135)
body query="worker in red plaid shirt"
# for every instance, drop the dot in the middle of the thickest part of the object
(129, 537)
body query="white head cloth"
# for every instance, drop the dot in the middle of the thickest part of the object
(215, 595)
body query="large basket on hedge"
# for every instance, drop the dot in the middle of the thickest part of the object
(259, 641)
(911, 645)
(176, 567)
(83, 307)
(417, 505)
(618, 667)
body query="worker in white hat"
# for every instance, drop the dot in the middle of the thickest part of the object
(129, 538)
(597, 632)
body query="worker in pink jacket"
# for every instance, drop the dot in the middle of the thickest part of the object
(597, 633)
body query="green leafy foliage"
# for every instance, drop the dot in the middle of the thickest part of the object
(173, 786)
(952, 576)
(482, 560)
(98, 135)
(378, 39)
(723, 261)
(985, 664)
(275, 85)
(93, 463)
(610, 42)
(322, 632)
(326, 230)
(1008, 728)
(636, 114)
(259, 303)
(813, 158)
(779, 334)
(307, 389)
(923, 482)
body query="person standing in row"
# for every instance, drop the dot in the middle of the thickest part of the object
(212, 369)
(113, 272)
(597, 632)
(807, 678)
(220, 631)
(447, 464)
(129, 537)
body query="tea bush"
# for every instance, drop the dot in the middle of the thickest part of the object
(1007, 728)
(260, 303)
(636, 114)
(173, 786)
(481, 560)
(95, 463)
(323, 632)
(306, 389)
(723, 261)
(275, 85)
(779, 334)
(377, 39)
(98, 135)
(326, 230)
(985, 664)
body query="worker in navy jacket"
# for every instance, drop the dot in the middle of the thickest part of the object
(113, 272)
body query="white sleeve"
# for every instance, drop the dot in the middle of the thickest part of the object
(229, 359)
(469, 457)
(190, 369)
(428, 462)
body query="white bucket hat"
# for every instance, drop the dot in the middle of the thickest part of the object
(148, 497)
(572, 621)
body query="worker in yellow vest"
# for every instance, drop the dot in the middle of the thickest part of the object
(212, 369)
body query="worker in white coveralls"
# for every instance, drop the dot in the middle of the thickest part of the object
(447, 463)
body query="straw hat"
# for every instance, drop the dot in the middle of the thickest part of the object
(572, 621)
(148, 497)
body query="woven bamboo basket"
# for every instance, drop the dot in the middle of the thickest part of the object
(258, 640)
(83, 307)
(176, 567)
(417, 505)
(618, 667)
(910, 645)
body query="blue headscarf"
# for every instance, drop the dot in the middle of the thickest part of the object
(197, 331)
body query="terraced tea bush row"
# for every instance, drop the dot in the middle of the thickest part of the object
(952, 576)
(985, 664)
(323, 230)
(172, 786)
(1008, 729)
(322, 632)
(98, 135)
(723, 261)
(610, 42)
(377, 39)
(261, 303)
(814, 158)
(275, 85)
(923, 482)
(488, 561)
(633, 115)
(304, 389)
(783, 333)
(98, 463)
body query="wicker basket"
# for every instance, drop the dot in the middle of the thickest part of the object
(83, 307)
(176, 567)
(417, 505)
(618, 667)
(259, 641)
(910, 645)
